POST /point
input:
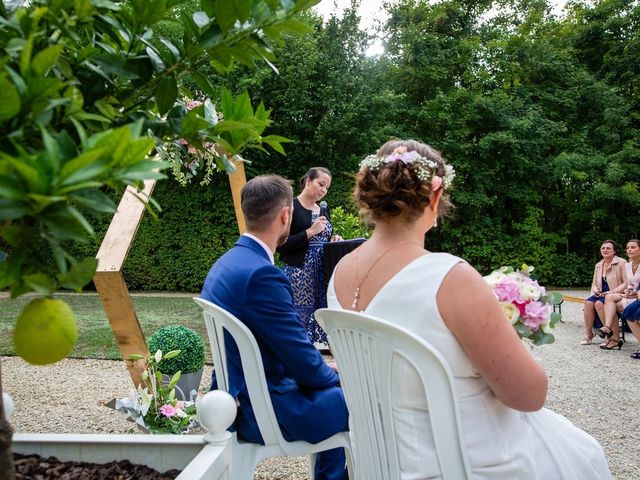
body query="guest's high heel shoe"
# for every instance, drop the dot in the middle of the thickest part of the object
(609, 346)
(603, 334)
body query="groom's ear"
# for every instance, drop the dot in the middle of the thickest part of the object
(285, 214)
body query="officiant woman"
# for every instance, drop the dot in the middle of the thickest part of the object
(302, 252)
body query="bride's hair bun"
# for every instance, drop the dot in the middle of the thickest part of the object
(396, 189)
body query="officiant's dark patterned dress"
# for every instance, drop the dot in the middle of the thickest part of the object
(307, 283)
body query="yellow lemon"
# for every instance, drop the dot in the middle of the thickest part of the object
(45, 331)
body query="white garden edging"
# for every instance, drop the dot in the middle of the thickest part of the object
(200, 457)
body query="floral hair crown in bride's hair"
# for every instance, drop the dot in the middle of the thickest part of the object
(426, 168)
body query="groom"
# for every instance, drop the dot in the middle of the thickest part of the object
(307, 400)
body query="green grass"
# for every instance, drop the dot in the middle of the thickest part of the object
(95, 337)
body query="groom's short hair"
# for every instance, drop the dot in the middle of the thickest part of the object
(262, 198)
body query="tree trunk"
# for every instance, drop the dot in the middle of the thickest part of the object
(6, 432)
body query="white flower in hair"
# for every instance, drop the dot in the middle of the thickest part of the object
(426, 168)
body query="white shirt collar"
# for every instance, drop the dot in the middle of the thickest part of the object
(262, 244)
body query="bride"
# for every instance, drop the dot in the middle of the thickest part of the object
(500, 386)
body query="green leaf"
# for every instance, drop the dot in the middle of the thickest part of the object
(9, 99)
(87, 166)
(80, 274)
(25, 56)
(52, 155)
(301, 5)
(166, 94)
(276, 146)
(204, 84)
(74, 213)
(295, 26)
(226, 14)
(174, 379)
(11, 234)
(40, 283)
(172, 354)
(209, 6)
(12, 209)
(242, 9)
(62, 225)
(10, 188)
(45, 59)
(544, 339)
(172, 48)
(94, 200)
(155, 59)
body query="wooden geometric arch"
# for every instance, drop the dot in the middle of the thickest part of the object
(109, 278)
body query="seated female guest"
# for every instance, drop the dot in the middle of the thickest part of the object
(302, 252)
(632, 315)
(608, 275)
(625, 295)
(442, 299)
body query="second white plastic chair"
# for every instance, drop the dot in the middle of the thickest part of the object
(364, 348)
(246, 456)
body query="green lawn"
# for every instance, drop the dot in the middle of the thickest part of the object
(95, 339)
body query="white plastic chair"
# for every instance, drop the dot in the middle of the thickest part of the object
(246, 456)
(364, 348)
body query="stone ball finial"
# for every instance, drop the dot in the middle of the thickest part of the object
(216, 412)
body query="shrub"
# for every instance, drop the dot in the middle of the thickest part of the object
(177, 337)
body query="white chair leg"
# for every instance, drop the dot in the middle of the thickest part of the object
(244, 460)
(312, 466)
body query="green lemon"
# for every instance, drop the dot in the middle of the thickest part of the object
(45, 331)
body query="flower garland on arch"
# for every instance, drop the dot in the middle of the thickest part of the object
(188, 158)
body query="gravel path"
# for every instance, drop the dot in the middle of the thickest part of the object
(597, 390)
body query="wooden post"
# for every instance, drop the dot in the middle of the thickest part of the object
(109, 280)
(237, 180)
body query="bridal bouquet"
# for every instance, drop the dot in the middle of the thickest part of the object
(154, 406)
(525, 303)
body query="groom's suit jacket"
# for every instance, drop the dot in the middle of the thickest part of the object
(307, 401)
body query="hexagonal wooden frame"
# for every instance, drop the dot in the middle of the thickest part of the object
(109, 278)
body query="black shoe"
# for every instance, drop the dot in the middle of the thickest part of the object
(608, 346)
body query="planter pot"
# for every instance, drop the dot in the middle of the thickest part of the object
(197, 459)
(200, 457)
(187, 385)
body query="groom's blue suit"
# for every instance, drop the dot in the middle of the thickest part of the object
(307, 402)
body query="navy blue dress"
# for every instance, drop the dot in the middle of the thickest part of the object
(605, 288)
(307, 283)
(632, 312)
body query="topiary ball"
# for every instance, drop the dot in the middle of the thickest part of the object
(177, 337)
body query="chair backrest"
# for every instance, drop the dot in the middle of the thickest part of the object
(364, 348)
(218, 321)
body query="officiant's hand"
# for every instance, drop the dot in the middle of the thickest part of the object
(317, 226)
(336, 238)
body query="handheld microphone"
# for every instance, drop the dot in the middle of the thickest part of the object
(323, 204)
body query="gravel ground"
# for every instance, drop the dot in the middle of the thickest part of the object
(591, 387)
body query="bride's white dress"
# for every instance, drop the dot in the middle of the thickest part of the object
(502, 443)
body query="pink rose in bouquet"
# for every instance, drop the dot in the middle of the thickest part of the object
(525, 303)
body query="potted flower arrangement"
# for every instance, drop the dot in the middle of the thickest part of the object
(155, 407)
(190, 361)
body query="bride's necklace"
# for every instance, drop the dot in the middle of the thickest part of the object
(356, 296)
